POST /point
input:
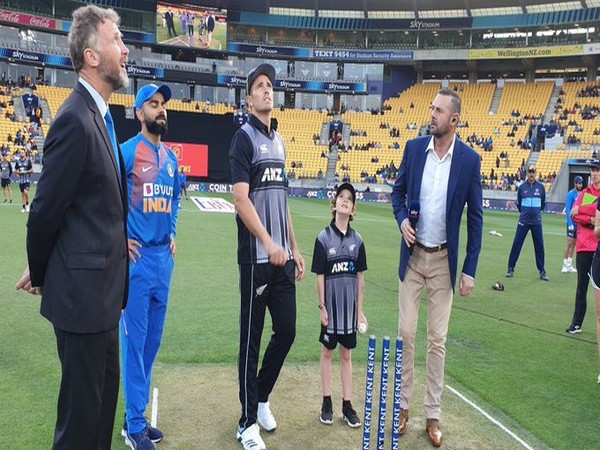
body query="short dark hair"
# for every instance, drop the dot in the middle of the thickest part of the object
(456, 104)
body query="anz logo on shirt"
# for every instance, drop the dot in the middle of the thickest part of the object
(342, 267)
(157, 198)
(273, 174)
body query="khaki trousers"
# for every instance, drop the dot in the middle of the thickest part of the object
(429, 270)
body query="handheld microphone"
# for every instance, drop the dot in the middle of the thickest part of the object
(413, 217)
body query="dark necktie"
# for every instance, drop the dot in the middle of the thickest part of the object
(110, 127)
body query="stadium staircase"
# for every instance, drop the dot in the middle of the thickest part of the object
(331, 164)
(46, 114)
(533, 158)
(19, 107)
(496, 99)
(346, 133)
(551, 104)
(325, 132)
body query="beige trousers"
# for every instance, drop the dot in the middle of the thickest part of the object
(429, 270)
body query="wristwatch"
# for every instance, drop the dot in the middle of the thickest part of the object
(321, 305)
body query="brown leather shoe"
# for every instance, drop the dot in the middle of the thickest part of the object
(432, 426)
(403, 421)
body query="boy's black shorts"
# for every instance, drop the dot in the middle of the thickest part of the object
(330, 341)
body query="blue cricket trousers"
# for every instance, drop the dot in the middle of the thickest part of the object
(142, 325)
(538, 244)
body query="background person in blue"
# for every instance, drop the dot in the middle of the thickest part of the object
(571, 226)
(154, 195)
(182, 183)
(531, 201)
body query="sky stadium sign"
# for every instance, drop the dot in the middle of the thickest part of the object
(145, 72)
(305, 86)
(423, 24)
(263, 50)
(38, 58)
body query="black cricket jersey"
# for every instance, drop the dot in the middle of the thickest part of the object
(339, 258)
(23, 165)
(257, 157)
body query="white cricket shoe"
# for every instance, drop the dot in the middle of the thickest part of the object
(265, 417)
(26, 208)
(250, 438)
(23, 211)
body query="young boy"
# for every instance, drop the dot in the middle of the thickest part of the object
(339, 260)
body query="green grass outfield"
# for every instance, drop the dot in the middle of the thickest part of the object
(507, 351)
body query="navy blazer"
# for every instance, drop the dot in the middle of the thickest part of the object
(464, 187)
(77, 227)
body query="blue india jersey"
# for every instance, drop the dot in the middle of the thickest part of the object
(154, 191)
(571, 197)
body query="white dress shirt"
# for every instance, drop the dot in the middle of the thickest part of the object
(100, 103)
(431, 228)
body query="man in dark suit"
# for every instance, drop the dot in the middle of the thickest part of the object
(438, 175)
(169, 18)
(76, 235)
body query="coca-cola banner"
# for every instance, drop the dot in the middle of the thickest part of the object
(27, 19)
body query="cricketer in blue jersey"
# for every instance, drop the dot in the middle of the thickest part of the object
(154, 196)
(182, 184)
(531, 201)
(571, 226)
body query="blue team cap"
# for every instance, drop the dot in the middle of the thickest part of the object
(578, 180)
(148, 91)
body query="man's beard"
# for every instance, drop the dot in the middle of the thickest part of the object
(154, 127)
(116, 80)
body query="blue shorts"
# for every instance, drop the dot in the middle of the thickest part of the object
(572, 233)
(24, 187)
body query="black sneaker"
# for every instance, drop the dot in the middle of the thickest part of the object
(139, 441)
(350, 416)
(543, 276)
(154, 434)
(574, 329)
(326, 416)
(510, 273)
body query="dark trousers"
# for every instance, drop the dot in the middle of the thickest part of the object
(583, 262)
(89, 388)
(538, 244)
(171, 28)
(264, 286)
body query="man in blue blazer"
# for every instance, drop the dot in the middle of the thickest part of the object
(439, 174)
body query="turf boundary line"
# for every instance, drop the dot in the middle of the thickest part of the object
(490, 418)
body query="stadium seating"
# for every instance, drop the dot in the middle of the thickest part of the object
(409, 114)
(570, 99)
(298, 128)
